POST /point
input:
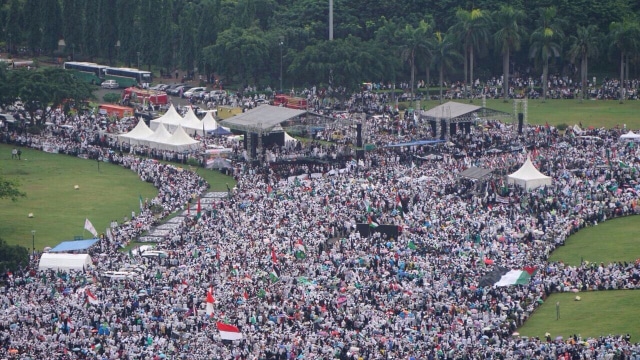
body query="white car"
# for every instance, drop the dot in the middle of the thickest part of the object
(110, 84)
(193, 92)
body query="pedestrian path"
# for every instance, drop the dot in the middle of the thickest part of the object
(159, 233)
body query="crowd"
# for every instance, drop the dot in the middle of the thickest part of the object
(286, 262)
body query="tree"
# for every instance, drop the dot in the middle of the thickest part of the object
(584, 44)
(623, 38)
(413, 42)
(444, 55)
(13, 257)
(472, 30)
(545, 42)
(507, 37)
(9, 190)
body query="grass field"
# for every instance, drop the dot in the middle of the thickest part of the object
(59, 210)
(611, 241)
(597, 113)
(597, 313)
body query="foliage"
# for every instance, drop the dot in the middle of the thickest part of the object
(111, 98)
(9, 189)
(13, 257)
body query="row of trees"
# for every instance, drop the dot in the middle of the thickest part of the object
(249, 41)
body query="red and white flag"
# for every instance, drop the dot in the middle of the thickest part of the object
(91, 298)
(229, 332)
(210, 301)
(274, 257)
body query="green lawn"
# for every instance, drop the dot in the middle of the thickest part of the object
(597, 313)
(607, 113)
(611, 241)
(59, 210)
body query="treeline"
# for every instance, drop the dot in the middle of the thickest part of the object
(250, 41)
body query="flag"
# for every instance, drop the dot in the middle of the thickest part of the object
(89, 227)
(372, 223)
(300, 250)
(199, 210)
(91, 299)
(141, 204)
(228, 332)
(514, 277)
(273, 276)
(412, 245)
(210, 301)
(274, 258)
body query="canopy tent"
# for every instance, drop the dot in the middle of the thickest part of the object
(64, 262)
(219, 131)
(137, 135)
(171, 119)
(529, 177)
(179, 141)
(630, 136)
(75, 245)
(416, 143)
(209, 122)
(458, 112)
(261, 119)
(288, 138)
(191, 124)
(160, 136)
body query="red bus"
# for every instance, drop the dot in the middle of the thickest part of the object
(290, 102)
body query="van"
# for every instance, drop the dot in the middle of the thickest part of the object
(110, 84)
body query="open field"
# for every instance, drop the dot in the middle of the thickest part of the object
(611, 241)
(60, 210)
(597, 113)
(597, 313)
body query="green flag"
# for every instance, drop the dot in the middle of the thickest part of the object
(412, 245)
(273, 277)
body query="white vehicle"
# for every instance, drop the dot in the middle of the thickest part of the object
(110, 84)
(195, 91)
(119, 275)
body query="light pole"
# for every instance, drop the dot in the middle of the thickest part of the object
(117, 49)
(281, 44)
(33, 241)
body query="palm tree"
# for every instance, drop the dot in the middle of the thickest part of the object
(544, 42)
(472, 30)
(414, 42)
(583, 45)
(623, 37)
(507, 38)
(444, 55)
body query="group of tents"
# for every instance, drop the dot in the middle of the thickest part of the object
(171, 131)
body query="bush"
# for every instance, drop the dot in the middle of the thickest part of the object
(112, 98)
(562, 127)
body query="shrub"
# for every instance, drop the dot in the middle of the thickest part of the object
(562, 127)
(111, 98)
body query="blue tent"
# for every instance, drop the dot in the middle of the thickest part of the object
(74, 245)
(219, 131)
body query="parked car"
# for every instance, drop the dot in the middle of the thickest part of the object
(178, 90)
(158, 87)
(110, 84)
(216, 95)
(195, 91)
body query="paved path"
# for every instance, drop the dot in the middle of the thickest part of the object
(159, 233)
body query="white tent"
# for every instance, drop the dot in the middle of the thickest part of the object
(191, 124)
(171, 119)
(529, 177)
(630, 136)
(137, 134)
(160, 136)
(288, 138)
(209, 122)
(64, 262)
(180, 141)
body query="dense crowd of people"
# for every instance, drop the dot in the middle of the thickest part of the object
(288, 262)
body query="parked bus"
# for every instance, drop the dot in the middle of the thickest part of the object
(127, 77)
(85, 71)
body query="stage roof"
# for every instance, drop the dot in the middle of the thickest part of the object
(416, 143)
(261, 119)
(459, 112)
(75, 245)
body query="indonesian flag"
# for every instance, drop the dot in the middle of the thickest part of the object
(210, 301)
(91, 298)
(228, 332)
(89, 227)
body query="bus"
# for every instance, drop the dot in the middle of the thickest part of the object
(127, 77)
(85, 71)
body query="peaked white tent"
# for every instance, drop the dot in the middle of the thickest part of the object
(630, 136)
(171, 119)
(180, 141)
(191, 124)
(529, 177)
(209, 122)
(64, 262)
(159, 137)
(137, 134)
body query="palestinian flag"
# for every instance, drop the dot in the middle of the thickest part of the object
(300, 252)
(516, 277)
(372, 223)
